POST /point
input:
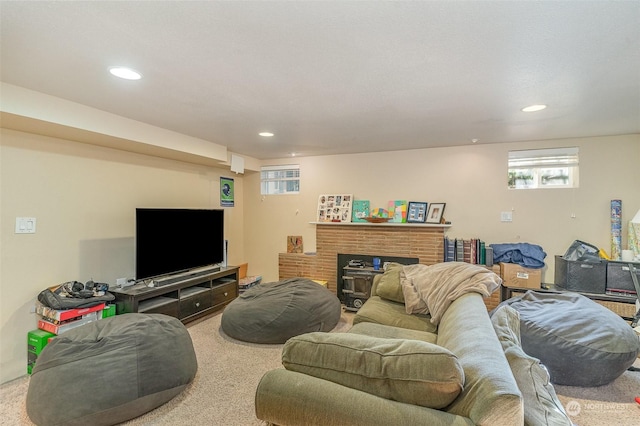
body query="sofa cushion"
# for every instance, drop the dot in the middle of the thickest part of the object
(388, 332)
(409, 371)
(381, 311)
(389, 286)
(541, 405)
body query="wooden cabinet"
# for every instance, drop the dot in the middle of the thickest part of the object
(187, 299)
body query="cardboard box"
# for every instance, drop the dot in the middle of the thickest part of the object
(109, 311)
(66, 326)
(242, 271)
(66, 314)
(516, 276)
(36, 341)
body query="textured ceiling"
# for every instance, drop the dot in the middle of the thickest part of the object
(338, 77)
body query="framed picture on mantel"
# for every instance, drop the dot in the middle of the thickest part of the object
(416, 212)
(335, 207)
(434, 215)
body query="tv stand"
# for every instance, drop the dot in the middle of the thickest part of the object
(191, 296)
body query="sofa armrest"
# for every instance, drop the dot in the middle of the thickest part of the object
(491, 395)
(286, 397)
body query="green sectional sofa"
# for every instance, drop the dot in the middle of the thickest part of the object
(393, 368)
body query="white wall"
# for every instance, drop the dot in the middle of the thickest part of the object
(471, 180)
(83, 198)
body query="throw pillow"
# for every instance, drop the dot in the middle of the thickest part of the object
(409, 371)
(389, 285)
(541, 404)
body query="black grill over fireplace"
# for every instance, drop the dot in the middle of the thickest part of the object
(355, 276)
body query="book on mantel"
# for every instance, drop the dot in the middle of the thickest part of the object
(360, 210)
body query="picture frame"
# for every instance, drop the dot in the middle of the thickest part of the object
(417, 212)
(435, 212)
(334, 207)
(226, 192)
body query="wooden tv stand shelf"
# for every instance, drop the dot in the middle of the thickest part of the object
(187, 299)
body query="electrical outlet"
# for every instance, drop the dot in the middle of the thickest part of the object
(506, 217)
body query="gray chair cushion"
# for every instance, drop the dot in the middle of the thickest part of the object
(110, 371)
(579, 341)
(275, 312)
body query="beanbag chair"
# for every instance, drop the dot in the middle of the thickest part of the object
(579, 341)
(111, 370)
(275, 312)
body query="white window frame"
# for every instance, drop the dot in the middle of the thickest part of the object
(543, 168)
(280, 180)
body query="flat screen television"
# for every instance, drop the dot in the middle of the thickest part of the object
(171, 240)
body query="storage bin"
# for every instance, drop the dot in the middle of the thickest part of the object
(587, 277)
(619, 277)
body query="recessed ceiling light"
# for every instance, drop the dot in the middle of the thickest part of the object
(126, 73)
(266, 134)
(534, 108)
(293, 154)
(474, 140)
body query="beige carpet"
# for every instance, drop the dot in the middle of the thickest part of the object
(229, 371)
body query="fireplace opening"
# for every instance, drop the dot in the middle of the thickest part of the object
(355, 276)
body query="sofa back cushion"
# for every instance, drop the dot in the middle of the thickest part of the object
(389, 286)
(382, 311)
(409, 371)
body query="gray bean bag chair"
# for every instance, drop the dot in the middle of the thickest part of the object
(110, 371)
(579, 341)
(275, 312)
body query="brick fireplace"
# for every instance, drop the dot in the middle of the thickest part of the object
(423, 242)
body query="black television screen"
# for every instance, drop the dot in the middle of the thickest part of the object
(174, 240)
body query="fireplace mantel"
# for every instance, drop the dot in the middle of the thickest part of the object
(415, 240)
(405, 224)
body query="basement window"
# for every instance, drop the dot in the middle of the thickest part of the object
(277, 180)
(543, 168)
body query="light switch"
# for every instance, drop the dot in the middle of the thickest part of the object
(25, 225)
(506, 217)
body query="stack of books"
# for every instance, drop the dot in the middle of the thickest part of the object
(466, 250)
(60, 321)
